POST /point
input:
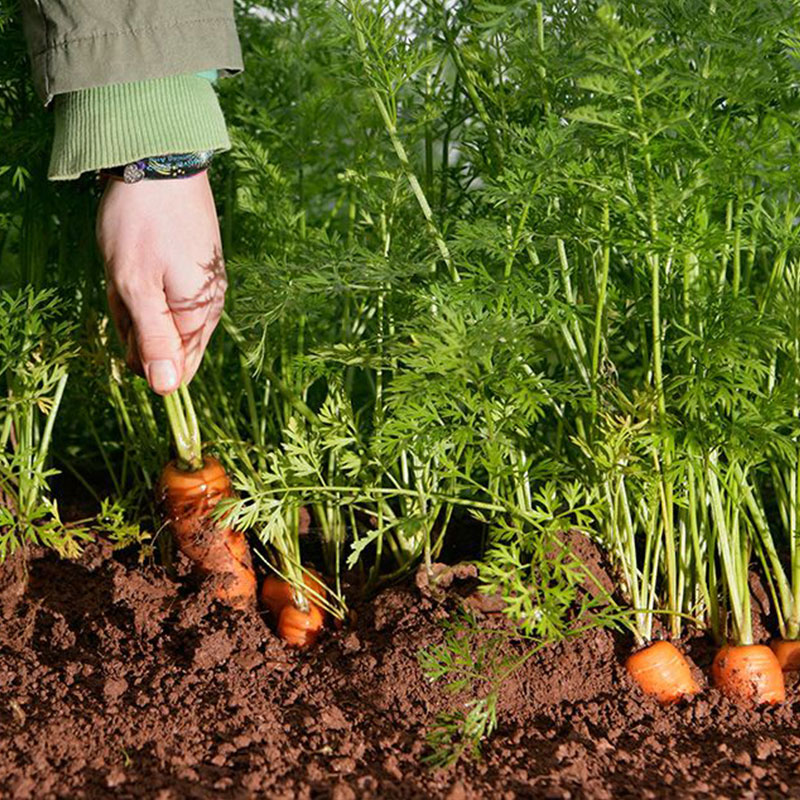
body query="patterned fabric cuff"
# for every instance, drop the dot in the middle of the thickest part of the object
(174, 165)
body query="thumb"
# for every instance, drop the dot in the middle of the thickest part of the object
(157, 339)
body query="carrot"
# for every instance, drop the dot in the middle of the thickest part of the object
(300, 628)
(787, 651)
(188, 491)
(276, 593)
(187, 499)
(663, 672)
(188, 496)
(749, 674)
(295, 626)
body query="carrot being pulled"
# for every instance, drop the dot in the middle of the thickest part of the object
(662, 671)
(189, 489)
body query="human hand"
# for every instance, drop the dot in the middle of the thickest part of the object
(166, 277)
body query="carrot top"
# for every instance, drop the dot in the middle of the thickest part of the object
(185, 428)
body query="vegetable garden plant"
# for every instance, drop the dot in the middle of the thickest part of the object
(532, 265)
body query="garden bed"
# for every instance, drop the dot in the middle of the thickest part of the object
(119, 682)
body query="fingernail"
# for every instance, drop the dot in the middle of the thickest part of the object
(162, 375)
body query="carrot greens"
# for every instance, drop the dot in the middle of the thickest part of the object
(36, 348)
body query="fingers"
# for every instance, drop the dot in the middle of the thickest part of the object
(161, 245)
(196, 295)
(122, 322)
(154, 343)
(172, 324)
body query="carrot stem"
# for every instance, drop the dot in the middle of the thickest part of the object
(185, 429)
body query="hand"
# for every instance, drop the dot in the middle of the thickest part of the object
(166, 277)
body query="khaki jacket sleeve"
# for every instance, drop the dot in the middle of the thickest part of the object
(82, 44)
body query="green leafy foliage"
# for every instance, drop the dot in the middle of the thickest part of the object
(531, 262)
(469, 659)
(36, 346)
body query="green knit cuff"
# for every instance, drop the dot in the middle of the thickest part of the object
(107, 126)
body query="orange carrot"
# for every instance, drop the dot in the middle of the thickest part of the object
(300, 628)
(663, 672)
(187, 498)
(787, 651)
(276, 593)
(277, 596)
(749, 674)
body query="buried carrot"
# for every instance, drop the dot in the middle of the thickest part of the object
(188, 491)
(276, 593)
(300, 628)
(661, 671)
(296, 626)
(787, 651)
(749, 674)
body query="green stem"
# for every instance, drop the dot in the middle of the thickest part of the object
(184, 427)
(402, 156)
(786, 596)
(733, 550)
(540, 43)
(700, 556)
(602, 290)
(293, 400)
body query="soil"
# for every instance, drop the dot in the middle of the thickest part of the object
(119, 682)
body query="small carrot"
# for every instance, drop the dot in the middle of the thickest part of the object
(787, 651)
(663, 672)
(749, 674)
(276, 593)
(296, 627)
(188, 491)
(300, 628)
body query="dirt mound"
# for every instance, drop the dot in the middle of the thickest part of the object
(119, 683)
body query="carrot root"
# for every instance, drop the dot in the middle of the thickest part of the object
(749, 674)
(661, 671)
(296, 627)
(787, 651)
(276, 593)
(300, 628)
(187, 499)
(230, 567)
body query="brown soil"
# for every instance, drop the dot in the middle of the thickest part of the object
(117, 682)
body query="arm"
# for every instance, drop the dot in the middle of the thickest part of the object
(121, 79)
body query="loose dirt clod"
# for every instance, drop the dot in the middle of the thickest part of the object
(128, 685)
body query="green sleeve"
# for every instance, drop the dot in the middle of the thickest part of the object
(108, 126)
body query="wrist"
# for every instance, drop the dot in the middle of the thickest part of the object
(170, 166)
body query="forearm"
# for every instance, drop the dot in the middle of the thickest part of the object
(123, 77)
